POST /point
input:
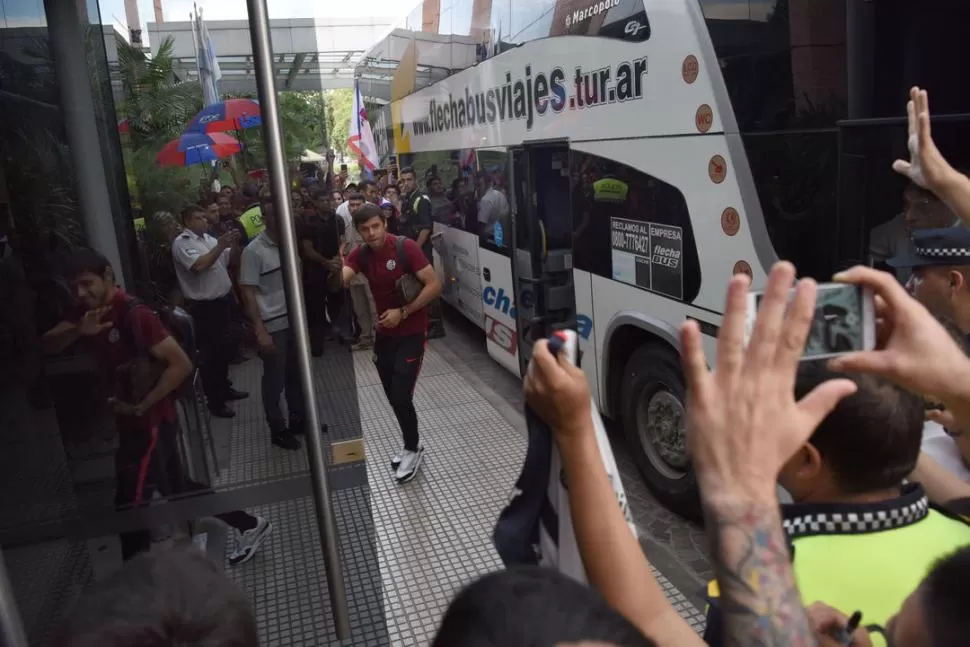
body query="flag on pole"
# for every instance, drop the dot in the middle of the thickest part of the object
(209, 70)
(361, 138)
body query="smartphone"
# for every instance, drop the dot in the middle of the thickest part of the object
(343, 168)
(844, 321)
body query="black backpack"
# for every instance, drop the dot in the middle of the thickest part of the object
(137, 377)
(176, 321)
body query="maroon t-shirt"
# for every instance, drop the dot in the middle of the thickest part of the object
(113, 349)
(382, 273)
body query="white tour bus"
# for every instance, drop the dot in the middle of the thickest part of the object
(608, 164)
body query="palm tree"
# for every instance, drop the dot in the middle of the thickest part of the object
(157, 105)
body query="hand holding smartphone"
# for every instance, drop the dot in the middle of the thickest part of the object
(844, 321)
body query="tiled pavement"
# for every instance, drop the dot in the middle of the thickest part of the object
(677, 546)
(433, 535)
(406, 550)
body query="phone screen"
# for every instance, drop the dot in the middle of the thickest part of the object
(838, 326)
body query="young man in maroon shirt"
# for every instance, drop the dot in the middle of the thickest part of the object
(402, 328)
(121, 330)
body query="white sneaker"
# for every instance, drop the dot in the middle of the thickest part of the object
(410, 462)
(396, 459)
(246, 543)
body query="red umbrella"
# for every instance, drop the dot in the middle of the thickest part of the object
(231, 114)
(197, 148)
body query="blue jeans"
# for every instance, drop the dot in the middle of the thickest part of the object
(280, 373)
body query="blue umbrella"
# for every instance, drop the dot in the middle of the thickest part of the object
(197, 148)
(231, 114)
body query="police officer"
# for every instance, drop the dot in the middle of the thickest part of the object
(252, 217)
(417, 224)
(940, 263)
(201, 263)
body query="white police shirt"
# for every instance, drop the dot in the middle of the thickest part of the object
(210, 284)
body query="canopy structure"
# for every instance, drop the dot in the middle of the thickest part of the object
(310, 54)
(310, 157)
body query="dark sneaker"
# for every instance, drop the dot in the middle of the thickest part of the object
(245, 544)
(286, 441)
(221, 411)
(237, 395)
(298, 428)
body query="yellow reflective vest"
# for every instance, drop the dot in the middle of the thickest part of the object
(252, 221)
(610, 189)
(869, 557)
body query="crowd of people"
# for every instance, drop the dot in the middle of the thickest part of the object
(874, 548)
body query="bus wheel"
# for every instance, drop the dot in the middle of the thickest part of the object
(655, 423)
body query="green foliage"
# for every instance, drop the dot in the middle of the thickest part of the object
(36, 162)
(157, 106)
(339, 105)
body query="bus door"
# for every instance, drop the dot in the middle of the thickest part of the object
(542, 254)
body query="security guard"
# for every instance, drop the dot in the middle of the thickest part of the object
(201, 263)
(860, 539)
(940, 264)
(418, 225)
(252, 217)
(939, 260)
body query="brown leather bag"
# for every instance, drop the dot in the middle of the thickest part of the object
(407, 286)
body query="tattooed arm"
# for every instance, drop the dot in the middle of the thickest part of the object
(759, 598)
(743, 424)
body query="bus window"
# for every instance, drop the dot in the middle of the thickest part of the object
(632, 227)
(469, 191)
(494, 217)
(793, 65)
(531, 19)
(797, 178)
(917, 43)
(620, 19)
(783, 60)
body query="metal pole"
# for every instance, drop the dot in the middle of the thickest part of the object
(276, 160)
(11, 628)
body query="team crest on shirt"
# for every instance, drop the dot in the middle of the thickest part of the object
(391, 264)
(114, 335)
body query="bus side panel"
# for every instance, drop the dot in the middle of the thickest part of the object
(498, 299)
(617, 304)
(458, 268)
(583, 284)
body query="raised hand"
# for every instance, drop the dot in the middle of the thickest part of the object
(91, 324)
(926, 166)
(743, 420)
(557, 391)
(914, 350)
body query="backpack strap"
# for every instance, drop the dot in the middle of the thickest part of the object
(402, 258)
(363, 257)
(127, 330)
(417, 200)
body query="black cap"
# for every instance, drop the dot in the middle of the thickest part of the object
(948, 246)
(251, 190)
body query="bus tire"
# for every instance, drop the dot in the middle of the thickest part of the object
(653, 406)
